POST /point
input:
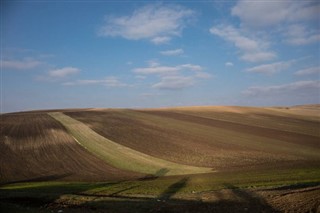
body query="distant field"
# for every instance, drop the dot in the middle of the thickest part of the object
(223, 139)
(200, 159)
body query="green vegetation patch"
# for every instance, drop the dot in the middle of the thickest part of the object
(143, 194)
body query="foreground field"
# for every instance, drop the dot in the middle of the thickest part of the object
(195, 159)
(250, 191)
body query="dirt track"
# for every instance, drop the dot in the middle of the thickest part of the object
(36, 147)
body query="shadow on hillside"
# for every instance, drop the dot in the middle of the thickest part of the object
(159, 173)
(39, 179)
(230, 199)
(240, 201)
(295, 186)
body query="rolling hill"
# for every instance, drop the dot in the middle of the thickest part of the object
(193, 148)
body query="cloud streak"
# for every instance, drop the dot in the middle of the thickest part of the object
(174, 77)
(25, 64)
(300, 87)
(63, 72)
(271, 68)
(108, 82)
(308, 71)
(299, 35)
(166, 70)
(174, 82)
(252, 49)
(172, 52)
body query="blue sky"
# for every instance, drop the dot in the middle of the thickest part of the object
(74, 54)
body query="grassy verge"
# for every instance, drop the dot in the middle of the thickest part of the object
(143, 195)
(155, 186)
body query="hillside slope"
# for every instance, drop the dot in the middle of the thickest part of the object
(121, 156)
(219, 137)
(36, 147)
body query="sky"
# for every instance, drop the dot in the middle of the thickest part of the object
(142, 54)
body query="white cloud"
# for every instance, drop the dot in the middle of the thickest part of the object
(260, 14)
(252, 49)
(25, 64)
(63, 72)
(153, 63)
(192, 67)
(109, 82)
(258, 56)
(172, 52)
(295, 88)
(140, 77)
(203, 75)
(174, 77)
(161, 40)
(174, 82)
(232, 34)
(271, 68)
(308, 71)
(298, 34)
(228, 64)
(157, 23)
(156, 68)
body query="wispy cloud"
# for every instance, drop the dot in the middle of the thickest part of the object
(308, 71)
(63, 72)
(291, 20)
(260, 14)
(174, 77)
(294, 88)
(252, 49)
(25, 64)
(271, 68)
(228, 64)
(166, 70)
(172, 52)
(298, 34)
(174, 82)
(258, 56)
(109, 82)
(156, 70)
(157, 23)
(161, 40)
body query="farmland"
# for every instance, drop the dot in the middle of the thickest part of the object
(203, 159)
(36, 147)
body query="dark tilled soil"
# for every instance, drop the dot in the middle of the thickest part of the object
(35, 147)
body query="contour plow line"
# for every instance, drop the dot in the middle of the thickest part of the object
(121, 156)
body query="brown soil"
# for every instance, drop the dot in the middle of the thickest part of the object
(207, 141)
(278, 134)
(35, 147)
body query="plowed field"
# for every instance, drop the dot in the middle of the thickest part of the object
(186, 159)
(221, 138)
(36, 147)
